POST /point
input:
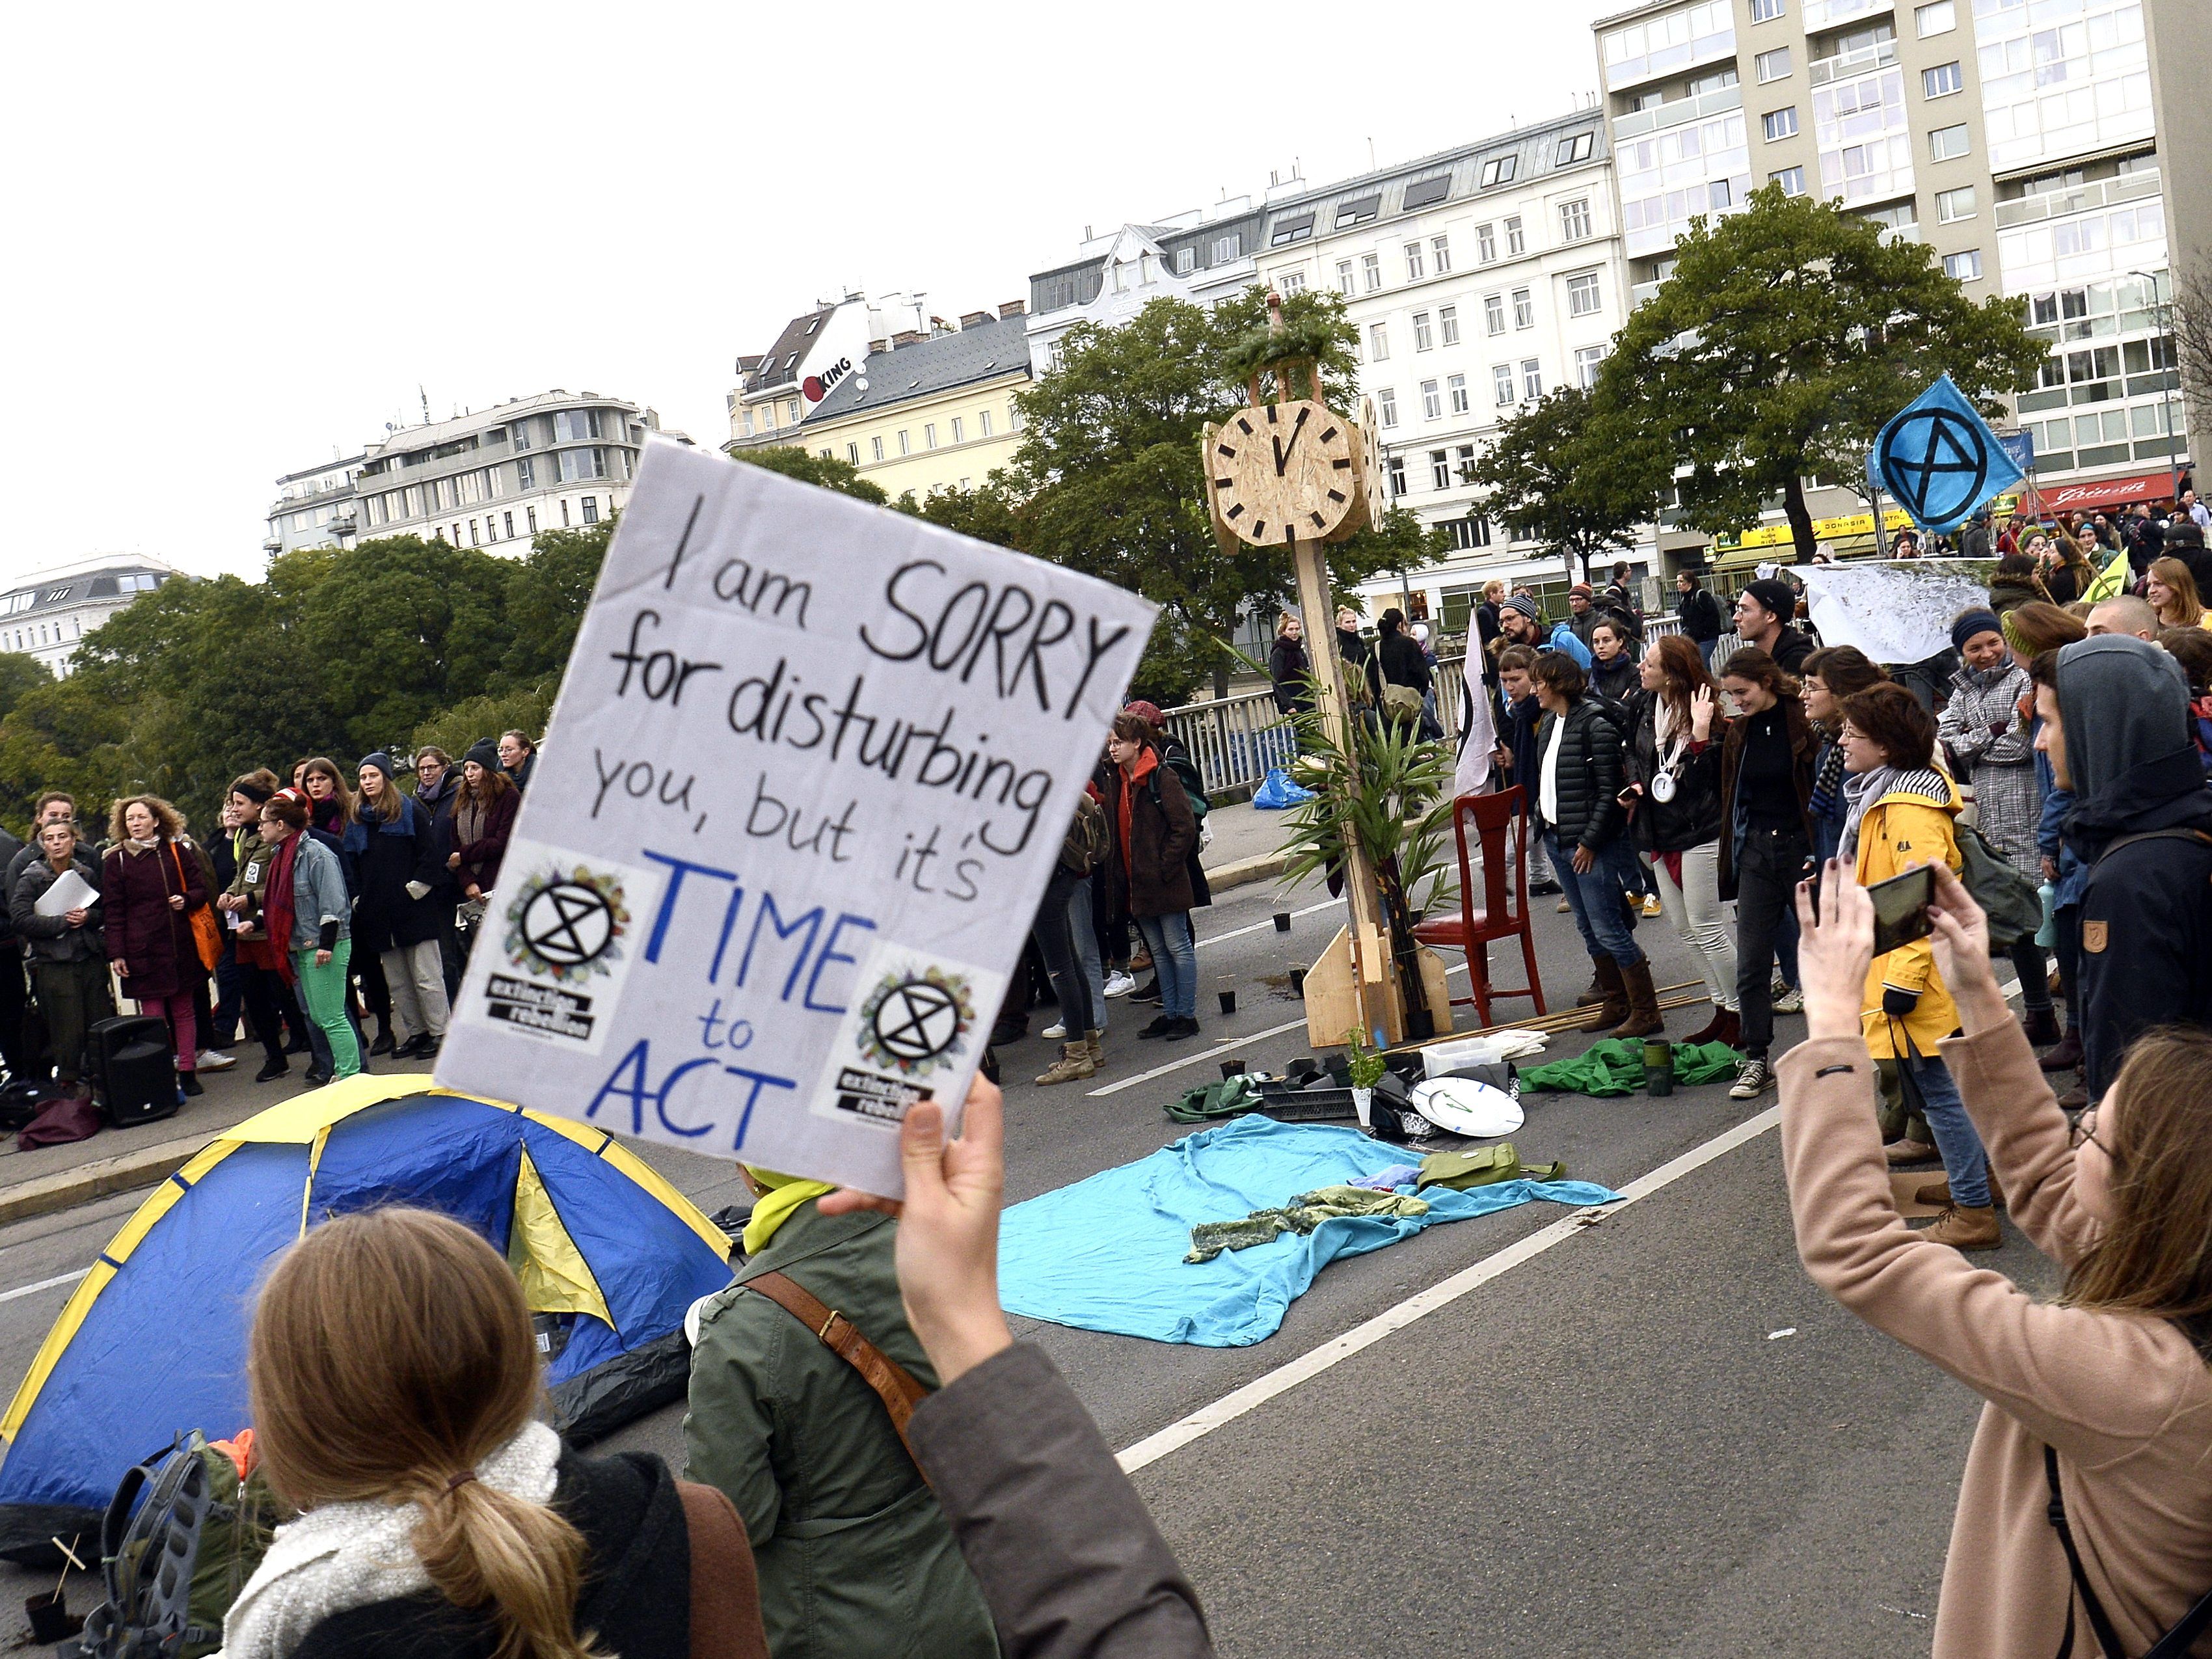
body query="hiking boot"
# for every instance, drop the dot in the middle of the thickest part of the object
(1118, 984)
(1645, 1018)
(1753, 1078)
(2066, 1057)
(1908, 1151)
(2042, 1025)
(271, 1070)
(1963, 1228)
(1938, 1193)
(1614, 1008)
(1096, 1042)
(1158, 1027)
(1592, 994)
(1073, 1065)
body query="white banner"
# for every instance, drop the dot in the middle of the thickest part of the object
(811, 766)
(1897, 612)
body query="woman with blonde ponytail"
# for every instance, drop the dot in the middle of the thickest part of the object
(394, 1383)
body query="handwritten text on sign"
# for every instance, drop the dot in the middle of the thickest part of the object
(811, 766)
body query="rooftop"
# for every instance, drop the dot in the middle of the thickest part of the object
(978, 352)
(115, 576)
(408, 439)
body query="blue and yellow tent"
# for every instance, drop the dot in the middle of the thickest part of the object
(153, 1340)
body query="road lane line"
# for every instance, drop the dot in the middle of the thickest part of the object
(1204, 1055)
(1258, 926)
(1256, 1392)
(43, 1284)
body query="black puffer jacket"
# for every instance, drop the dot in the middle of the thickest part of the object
(1589, 773)
(1694, 817)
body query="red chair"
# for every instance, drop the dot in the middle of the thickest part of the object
(1504, 912)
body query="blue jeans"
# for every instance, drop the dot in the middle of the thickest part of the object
(1175, 959)
(1966, 1165)
(1594, 897)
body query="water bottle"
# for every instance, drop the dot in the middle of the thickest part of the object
(2047, 934)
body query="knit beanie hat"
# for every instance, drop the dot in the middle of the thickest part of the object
(1524, 604)
(484, 752)
(382, 762)
(1971, 623)
(1774, 594)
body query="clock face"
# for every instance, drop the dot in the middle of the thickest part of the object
(1283, 472)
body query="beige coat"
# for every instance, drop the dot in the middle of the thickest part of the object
(2127, 1401)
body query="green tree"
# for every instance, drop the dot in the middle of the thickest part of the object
(1561, 473)
(547, 594)
(1783, 322)
(826, 471)
(20, 672)
(989, 511)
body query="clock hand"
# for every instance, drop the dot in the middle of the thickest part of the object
(1283, 450)
(1279, 456)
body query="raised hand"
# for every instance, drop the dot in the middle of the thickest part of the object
(1835, 948)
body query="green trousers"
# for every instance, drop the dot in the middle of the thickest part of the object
(323, 990)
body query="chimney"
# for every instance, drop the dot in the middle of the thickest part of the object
(907, 337)
(1012, 308)
(972, 319)
(875, 346)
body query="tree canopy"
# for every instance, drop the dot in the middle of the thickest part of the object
(826, 471)
(1786, 332)
(1560, 472)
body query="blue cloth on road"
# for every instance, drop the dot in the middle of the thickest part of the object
(1107, 1254)
(1389, 1180)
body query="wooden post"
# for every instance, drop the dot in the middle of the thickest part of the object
(1370, 953)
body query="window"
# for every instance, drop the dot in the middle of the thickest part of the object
(526, 472)
(959, 430)
(1967, 267)
(564, 512)
(509, 519)
(1370, 271)
(1447, 321)
(1397, 471)
(529, 517)
(578, 464)
(905, 447)
(1941, 81)
(1501, 381)
(1344, 285)
(1493, 313)
(983, 423)
(1576, 147)
(1292, 282)
(1779, 124)
(1941, 18)
(1946, 143)
(1485, 243)
(876, 444)
(1292, 230)
(1516, 244)
(1386, 400)
(572, 425)
(929, 434)
(1953, 205)
(1185, 257)
(1457, 384)
(1432, 401)
(1792, 180)
(1423, 338)
(1416, 267)
(826, 453)
(1013, 417)
(1378, 342)
(1532, 378)
(1587, 360)
(591, 509)
(1524, 309)
(1498, 170)
(852, 451)
(790, 413)
(1772, 65)
(1467, 534)
(1440, 253)
(522, 433)
(1358, 211)
(473, 542)
(1574, 220)
(1228, 247)
(1766, 11)
(1583, 297)
(1440, 474)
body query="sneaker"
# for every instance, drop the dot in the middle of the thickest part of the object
(1055, 1032)
(1543, 889)
(1118, 984)
(1565, 905)
(1150, 992)
(271, 1070)
(1789, 999)
(1753, 1079)
(1159, 1027)
(384, 1043)
(1652, 906)
(1179, 1029)
(214, 1060)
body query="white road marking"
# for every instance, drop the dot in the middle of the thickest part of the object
(1285, 1377)
(42, 1285)
(1257, 926)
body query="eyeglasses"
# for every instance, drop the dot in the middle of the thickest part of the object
(2084, 1133)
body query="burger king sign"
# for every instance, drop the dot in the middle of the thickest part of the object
(815, 387)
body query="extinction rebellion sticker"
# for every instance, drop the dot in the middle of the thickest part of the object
(920, 1015)
(565, 936)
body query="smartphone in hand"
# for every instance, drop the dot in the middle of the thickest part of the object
(1900, 908)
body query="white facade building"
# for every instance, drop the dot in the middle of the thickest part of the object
(816, 353)
(48, 617)
(1201, 256)
(312, 505)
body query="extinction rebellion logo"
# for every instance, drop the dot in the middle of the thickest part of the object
(913, 1025)
(565, 926)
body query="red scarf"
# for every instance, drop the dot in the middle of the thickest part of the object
(280, 907)
(1147, 764)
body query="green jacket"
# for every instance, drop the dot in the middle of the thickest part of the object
(855, 1559)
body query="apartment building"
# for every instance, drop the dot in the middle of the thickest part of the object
(1202, 255)
(48, 617)
(311, 506)
(2016, 139)
(813, 355)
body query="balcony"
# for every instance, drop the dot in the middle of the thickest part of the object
(1845, 65)
(1676, 112)
(2056, 204)
(1826, 14)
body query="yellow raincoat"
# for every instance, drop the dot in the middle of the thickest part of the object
(1911, 824)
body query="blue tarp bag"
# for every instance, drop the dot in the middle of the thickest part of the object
(1278, 792)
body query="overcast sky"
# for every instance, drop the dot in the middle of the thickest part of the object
(241, 236)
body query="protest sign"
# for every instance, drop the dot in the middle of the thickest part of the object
(1896, 611)
(1941, 458)
(811, 766)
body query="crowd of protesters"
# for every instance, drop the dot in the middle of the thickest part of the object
(321, 908)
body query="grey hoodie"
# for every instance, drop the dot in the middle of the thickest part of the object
(2125, 703)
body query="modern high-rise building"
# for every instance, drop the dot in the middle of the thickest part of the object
(2018, 140)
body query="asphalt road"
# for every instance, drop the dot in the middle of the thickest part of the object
(1601, 1449)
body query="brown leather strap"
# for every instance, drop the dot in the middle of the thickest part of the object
(726, 1616)
(894, 1384)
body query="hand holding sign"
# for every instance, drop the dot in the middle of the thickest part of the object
(808, 773)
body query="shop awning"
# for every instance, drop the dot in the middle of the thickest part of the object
(2106, 492)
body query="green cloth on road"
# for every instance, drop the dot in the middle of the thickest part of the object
(1215, 1101)
(1615, 1066)
(1301, 1215)
(1482, 1166)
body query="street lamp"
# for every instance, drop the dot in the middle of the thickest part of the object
(2165, 388)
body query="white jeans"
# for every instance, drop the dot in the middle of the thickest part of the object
(1540, 863)
(416, 975)
(1695, 908)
